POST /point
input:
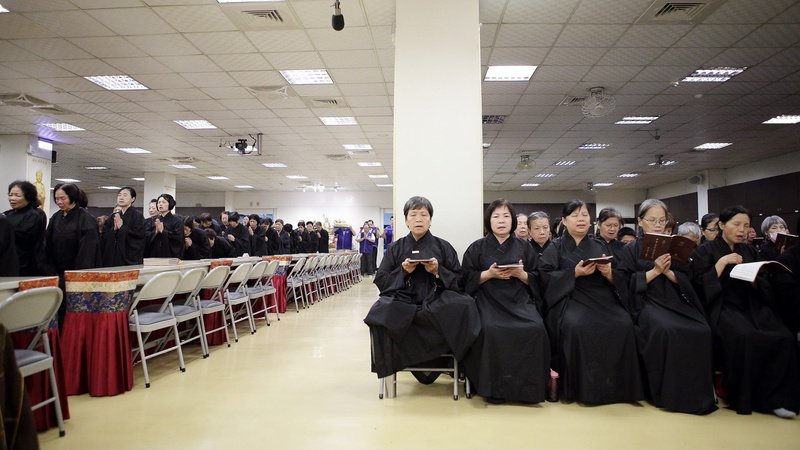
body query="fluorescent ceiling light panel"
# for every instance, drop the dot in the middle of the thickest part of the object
(313, 76)
(628, 175)
(665, 162)
(195, 124)
(566, 163)
(783, 120)
(636, 120)
(602, 184)
(274, 165)
(117, 83)
(296, 177)
(545, 175)
(712, 145)
(486, 145)
(509, 73)
(379, 176)
(333, 121)
(357, 146)
(62, 127)
(384, 185)
(110, 187)
(3, 10)
(96, 168)
(247, 1)
(593, 146)
(529, 185)
(134, 150)
(713, 74)
(183, 166)
(243, 186)
(137, 178)
(369, 164)
(217, 177)
(68, 180)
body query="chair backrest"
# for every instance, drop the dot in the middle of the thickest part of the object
(272, 267)
(216, 280)
(311, 264)
(239, 275)
(190, 284)
(160, 286)
(31, 308)
(257, 272)
(297, 270)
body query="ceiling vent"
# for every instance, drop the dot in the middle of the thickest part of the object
(360, 152)
(180, 159)
(278, 18)
(690, 13)
(494, 120)
(33, 103)
(338, 156)
(272, 91)
(571, 100)
(333, 102)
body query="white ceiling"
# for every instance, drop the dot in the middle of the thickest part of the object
(198, 58)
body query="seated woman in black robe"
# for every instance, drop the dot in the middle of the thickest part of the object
(672, 334)
(420, 313)
(591, 331)
(220, 248)
(123, 241)
(166, 239)
(609, 222)
(195, 242)
(510, 359)
(539, 229)
(29, 223)
(770, 228)
(756, 351)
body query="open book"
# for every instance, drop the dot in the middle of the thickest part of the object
(600, 259)
(783, 239)
(655, 245)
(749, 271)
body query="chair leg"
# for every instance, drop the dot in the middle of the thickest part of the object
(229, 307)
(51, 373)
(144, 359)
(202, 330)
(178, 347)
(250, 317)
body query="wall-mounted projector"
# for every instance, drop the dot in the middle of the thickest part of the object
(243, 147)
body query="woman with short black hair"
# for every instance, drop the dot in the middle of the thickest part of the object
(29, 223)
(123, 242)
(166, 240)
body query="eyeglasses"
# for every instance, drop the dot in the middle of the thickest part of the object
(712, 230)
(652, 220)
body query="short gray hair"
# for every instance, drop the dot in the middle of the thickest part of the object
(689, 227)
(651, 203)
(418, 202)
(770, 221)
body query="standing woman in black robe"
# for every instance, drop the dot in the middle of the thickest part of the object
(421, 312)
(166, 240)
(123, 241)
(72, 240)
(757, 351)
(29, 223)
(237, 234)
(591, 331)
(510, 359)
(258, 237)
(609, 222)
(672, 334)
(195, 242)
(8, 250)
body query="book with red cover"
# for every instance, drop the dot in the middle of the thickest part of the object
(655, 245)
(783, 239)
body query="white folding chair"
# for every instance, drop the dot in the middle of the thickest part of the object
(190, 308)
(268, 289)
(238, 297)
(321, 274)
(309, 280)
(214, 282)
(294, 282)
(255, 289)
(161, 286)
(35, 308)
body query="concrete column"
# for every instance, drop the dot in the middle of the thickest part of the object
(157, 183)
(437, 116)
(23, 160)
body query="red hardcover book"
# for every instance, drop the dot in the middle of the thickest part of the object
(655, 245)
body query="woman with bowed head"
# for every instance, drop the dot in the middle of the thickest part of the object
(709, 224)
(591, 331)
(195, 242)
(123, 241)
(510, 359)
(167, 238)
(672, 335)
(420, 313)
(756, 350)
(29, 223)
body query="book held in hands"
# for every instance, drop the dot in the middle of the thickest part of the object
(784, 239)
(655, 245)
(749, 271)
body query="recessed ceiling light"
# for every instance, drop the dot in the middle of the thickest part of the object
(62, 127)
(509, 73)
(195, 124)
(602, 184)
(593, 146)
(45, 145)
(274, 165)
(664, 162)
(217, 177)
(379, 176)
(566, 163)
(137, 178)
(135, 150)
(110, 187)
(545, 175)
(183, 166)
(529, 185)
(628, 175)
(713, 74)
(357, 146)
(486, 145)
(369, 164)
(117, 83)
(313, 76)
(243, 186)
(68, 180)
(636, 120)
(712, 145)
(96, 168)
(3, 10)
(333, 121)
(783, 120)
(296, 177)
(384, 185)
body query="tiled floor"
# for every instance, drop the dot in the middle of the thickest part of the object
(304, 383)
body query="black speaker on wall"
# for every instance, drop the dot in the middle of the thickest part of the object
(53, 157)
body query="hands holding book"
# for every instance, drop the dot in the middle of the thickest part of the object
(588, 267)
(505, 272)
(661, 266)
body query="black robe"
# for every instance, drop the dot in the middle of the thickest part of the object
(787, 289)
(72, 241)
(672, 335)
(9, 261)
(124, 247)
(591, 331)
(222, 248)
(200, 248)
(286, 244)
(274, 243)
(241, 242)
(613, 248)
(324, 239)
(169, 243)
(768, 251)
(258, 242)
(29, 226)
(540, 248)
(297, 240)
(312, 242)
(756, 350)
(418, 317)
(510, 359)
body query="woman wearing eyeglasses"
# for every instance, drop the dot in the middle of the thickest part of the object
(609, 222)
(672, 335)
(709, 225)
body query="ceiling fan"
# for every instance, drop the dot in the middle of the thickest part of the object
(589, 189)
(598, 103)
(525, 163)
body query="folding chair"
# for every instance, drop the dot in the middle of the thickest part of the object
(238, 297)
(35, 308)
(215, 282)
(265, 284)
(254, 289)
(309, 280)
(190, 308)
(161, 286)
(294, 282)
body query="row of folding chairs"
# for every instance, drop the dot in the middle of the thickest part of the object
(313, 279)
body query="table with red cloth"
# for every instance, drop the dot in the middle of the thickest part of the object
(38, 384)
(279, 281)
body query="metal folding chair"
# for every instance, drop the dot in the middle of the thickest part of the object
(266, 287)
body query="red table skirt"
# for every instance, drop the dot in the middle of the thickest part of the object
(279, 283)
(97, 353)
(38, 384)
